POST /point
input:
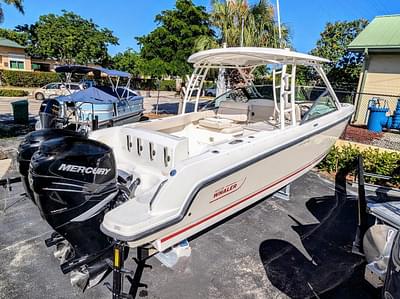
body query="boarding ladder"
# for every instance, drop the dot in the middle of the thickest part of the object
(287, 94)
(195, 83)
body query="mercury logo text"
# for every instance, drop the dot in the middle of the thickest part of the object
(83, 169)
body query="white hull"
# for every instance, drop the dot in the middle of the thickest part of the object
(210, 186)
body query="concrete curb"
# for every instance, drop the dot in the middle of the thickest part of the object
(362, 146)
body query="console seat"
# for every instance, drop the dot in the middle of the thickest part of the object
(229, 117)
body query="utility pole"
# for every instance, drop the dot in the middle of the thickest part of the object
(241, 34)
(279, 24)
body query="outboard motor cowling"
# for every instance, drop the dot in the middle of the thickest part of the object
(30, 145)
(74, 181)
(49, 113)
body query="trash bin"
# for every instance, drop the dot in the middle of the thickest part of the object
(20, 111)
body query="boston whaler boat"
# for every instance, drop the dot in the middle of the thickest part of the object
(155, 183)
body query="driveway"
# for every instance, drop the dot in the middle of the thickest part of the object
(6, 108)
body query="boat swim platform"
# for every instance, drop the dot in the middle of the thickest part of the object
(293, 248)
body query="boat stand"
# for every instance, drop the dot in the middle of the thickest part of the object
(362, 225)
(119, 272)
(384, 210)
(7, 185)
(283, 194)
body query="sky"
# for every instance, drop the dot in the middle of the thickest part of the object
(129, 18)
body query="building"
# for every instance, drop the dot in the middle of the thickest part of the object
(14, 57)
(380, 76)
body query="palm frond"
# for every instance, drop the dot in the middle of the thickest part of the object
(18, 4)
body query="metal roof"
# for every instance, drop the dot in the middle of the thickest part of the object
(9, 43)
(251, 56)
(381, 33)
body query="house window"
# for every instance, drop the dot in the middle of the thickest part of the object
(17, 64)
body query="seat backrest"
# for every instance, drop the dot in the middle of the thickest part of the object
(236, 111)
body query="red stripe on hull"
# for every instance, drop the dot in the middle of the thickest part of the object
(265, 188)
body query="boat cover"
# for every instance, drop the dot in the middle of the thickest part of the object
(82, 69)
(92, 95)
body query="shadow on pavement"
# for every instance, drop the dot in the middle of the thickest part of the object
(333, 271)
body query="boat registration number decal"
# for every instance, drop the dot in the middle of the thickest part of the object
(228, 189)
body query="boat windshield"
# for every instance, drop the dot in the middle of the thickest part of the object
(242, 94)
(313, 101)
(304, 94)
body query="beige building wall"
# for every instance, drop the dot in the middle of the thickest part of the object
(8, 54)
(380, 79)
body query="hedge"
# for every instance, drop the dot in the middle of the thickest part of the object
(27, 79)
(375, 161)
(13, 93)
(168, 85)
(165, 85)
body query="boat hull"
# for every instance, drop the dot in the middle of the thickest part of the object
(227, 194)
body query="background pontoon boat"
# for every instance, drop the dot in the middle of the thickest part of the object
(110, 105)
(159, 182)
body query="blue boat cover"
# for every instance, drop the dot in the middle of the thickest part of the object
(91, 95)
(83, 69)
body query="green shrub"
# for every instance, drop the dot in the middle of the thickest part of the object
(168, 85)
(375, 161)
(13, 93)
(28, 79)
(208, 84)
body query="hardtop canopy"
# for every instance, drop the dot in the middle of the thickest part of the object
(83, 69)
(242, 57)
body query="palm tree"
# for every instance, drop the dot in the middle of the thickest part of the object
(241, 24)
(259, 26)
(16, 3)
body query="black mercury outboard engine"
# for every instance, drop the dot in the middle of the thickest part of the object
(30, 145)
(49, 113)
(74, 181)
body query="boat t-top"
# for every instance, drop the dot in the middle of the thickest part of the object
(155, 183)
(94, 105)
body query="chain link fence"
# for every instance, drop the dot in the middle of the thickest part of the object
(359, 99)
(362, 100)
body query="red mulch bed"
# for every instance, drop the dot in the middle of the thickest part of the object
(360, 134)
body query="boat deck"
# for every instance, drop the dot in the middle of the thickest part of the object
(200, 138)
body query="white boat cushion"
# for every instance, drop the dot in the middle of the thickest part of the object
(216, 123)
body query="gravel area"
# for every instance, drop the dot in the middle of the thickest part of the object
(388, 140)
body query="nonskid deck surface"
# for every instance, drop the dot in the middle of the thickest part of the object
(242, 256)
(200, 138)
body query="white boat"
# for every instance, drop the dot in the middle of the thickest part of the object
(198, 168)
(173, 177)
